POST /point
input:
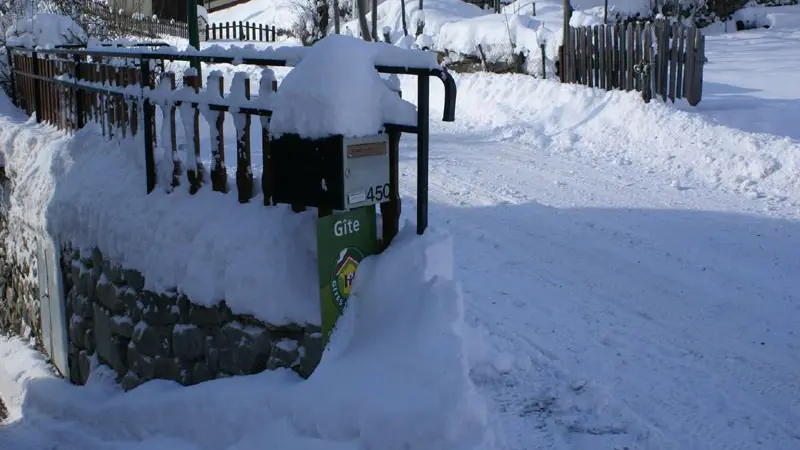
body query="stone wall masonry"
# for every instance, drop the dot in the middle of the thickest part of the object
(143, 335)
(19, 289)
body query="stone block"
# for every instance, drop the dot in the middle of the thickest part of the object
(107, 296)
(243, 350)
(188, 342)
(152, 341)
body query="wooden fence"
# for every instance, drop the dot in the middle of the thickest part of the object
(240, 31)
(42, 86)
(658, 59)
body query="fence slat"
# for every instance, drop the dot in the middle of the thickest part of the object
(268, 85)
(690, 62)
(697, 74)
(647, 57)
(629, 60)
(219, 175)
(681, 58)
(673, 61)
(194, 172)
(596, 53)
(244, 171)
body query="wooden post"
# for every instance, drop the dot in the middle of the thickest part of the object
(679, 93)
(697, 75)
(244, 171)
(133, 79)
(149, 123)
(37, 87)
(647, 93)
(629, 62)
(194, 173)
(219, 176)
(269, 85)
(673, 62)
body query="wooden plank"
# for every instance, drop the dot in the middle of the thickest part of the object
(697, 76)
(268, 84)
(623, 59)
(587, 32)
(601, 56)
(637, 55)
(244, 170)
(647, 56)
(691, 36)
(219, 175)
(596, 52)
(664, 87)
(617, 54)
(194, 172)
(587, 57)
(681, 58)
(673, 61)
(629, 58)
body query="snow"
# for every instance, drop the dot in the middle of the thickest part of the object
(101, 201)
(44, 29)
(394, 377)
(627, 272)
(359, 105)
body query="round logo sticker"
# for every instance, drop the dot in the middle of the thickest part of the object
(343, 275)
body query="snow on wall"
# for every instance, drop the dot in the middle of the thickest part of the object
(395, 377)
(207, 246)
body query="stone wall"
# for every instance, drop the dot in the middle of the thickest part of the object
(19, 288)
(144, 335)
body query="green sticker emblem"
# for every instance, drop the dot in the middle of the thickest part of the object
(343, 275)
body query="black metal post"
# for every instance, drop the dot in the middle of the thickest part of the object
(149, 156)
(423, 118)
(37, 84)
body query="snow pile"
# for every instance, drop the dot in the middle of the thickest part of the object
(46, 30)
(208, 246)
(394, 377)
(775, 17)
(359, 105)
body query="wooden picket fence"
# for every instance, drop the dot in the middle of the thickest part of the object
(658, 59)
(42, 85)
(240, 31)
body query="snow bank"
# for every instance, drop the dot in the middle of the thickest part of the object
(89, 192)
(774, 17)
(617, 127)
(436, 13)
(359, 105)
(394, 377)
(46, 30)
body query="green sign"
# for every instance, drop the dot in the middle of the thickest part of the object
(343, 240)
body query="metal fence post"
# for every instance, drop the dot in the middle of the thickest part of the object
(423, 110)
(149, 118)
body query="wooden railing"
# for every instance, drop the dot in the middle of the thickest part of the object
(659, 59)
(240, 31)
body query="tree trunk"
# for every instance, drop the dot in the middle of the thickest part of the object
(403, 8)
(336, 26)
(375, 20)
(362, 20)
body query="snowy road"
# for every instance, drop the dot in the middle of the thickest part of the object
(660, 289)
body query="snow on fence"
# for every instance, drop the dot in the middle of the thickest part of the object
(117, 89)
(659, 59)
(240, 31)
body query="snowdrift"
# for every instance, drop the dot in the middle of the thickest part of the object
(685, 146)
(394, 377)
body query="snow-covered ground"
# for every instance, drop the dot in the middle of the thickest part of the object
(629, 275)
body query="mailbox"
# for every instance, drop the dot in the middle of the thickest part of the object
(336, 172)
